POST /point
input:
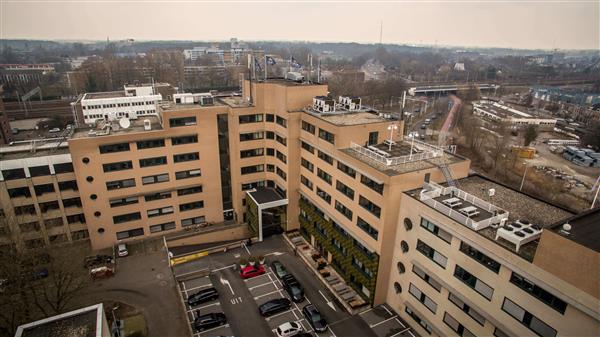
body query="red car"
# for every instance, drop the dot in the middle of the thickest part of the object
(252, 271)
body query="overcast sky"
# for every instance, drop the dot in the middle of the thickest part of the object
(486, 23)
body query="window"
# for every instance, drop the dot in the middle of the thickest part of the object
(29, 226)
(432, 254)
(270, 134)
(308, 127)
(182, 157)
(157, 196)
(418, 319)
(159, 178)
(114, 148)
(113, 185)
(456, 326)
(63, 168)
(189, 190)
(339, 246)
(72, 202)
(117, 219)
(19, 192)
(307, 165)
(191, 205)
(466, 308)
(433, 283)
(193, 221)
(249, 186)
(159, 211)
(123, 201)
(421, 297)
(38, 171)
(130, 233)
(325, 157)
(401, 268)
(527, 319)
(184, 140)
(162, 227)
(372, 184)
(281, 121)
(539, 293)
(324, 195)
(151, 143)
(362, 224)
(48, 206)
(308, 147)
(346, 169)
(252, 153)
(440, 233)
(270, 118)
(347, 191)
(251, 136)
(251, 118)
(253, 169)
(306, 182)
(270, 152)
(187, 174)
(473, 282)
(13, 174)
(182, 121)
(281, 140)
(76, 218)
(478, 256)
(324, 175)
(26, 209)
(369, 206)
(118, 166)
(42, 189)
(361, 266)
(270, 168)
(500, 333)
(68, 185)
(373, 137)
(281, 157)
(154, 161)
(326, 135)
(281, 173)
(397, 287)
(343, 209)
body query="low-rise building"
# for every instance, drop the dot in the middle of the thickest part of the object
(516, 118)
(85, 322)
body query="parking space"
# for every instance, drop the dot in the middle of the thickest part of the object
(190, 287)
(386, 323)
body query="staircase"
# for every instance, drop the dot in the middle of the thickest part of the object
(447, 174)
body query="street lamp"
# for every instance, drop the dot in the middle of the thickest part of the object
(391, 128)
(524, 174)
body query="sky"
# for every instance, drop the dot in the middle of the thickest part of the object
(529, 24)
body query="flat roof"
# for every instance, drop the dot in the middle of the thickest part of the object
(263, 195)
(508, 111)
(520, 206)
(137, 125)
(585, 229)
(349, 117)
(107, 94)
(77, 323)
(24, 151)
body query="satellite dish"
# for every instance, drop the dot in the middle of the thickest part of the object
(124, 122)
(566, 227)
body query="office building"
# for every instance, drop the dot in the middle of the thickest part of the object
(482, 259)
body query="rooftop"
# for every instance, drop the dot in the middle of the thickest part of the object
(400, 158)
(507, 111)
(505, 206)
(78, 323)
(104, 129)
(264, 195)
(108, 94)
(584, 229)
(349, 117)
(25, 150)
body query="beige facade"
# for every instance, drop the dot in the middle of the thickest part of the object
(448, 279)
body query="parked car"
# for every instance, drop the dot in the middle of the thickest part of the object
(274, 306)
(94, 260)
(423, 126)
(288, 329)
(122, 250)
(278, 269)
(204, 295)
(54, 130)
(207, 321)
(314, 318)
(293, 288)
(252, 271)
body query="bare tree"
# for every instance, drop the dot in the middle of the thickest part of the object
(529, 135)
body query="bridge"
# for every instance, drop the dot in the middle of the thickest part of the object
(448, 88)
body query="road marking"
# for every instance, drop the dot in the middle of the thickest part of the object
(209, 330)
(236, 300)
(379, 323)
(400, 332)
(184, 290)
(279, 314)
(193, 309)
(200, 287)
(410, 332)
(388, 311)
(246, 247)
(332, 333)
(226, 282)
(329, 303)
(192, 272)
(364, 312)
(227, 267)
(400, 322)
(261, 285)
(267, 294)
(275, 253)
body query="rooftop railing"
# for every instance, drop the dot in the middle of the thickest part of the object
(423, 151)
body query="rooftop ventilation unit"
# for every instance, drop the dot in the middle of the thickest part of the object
(350, 103)
(294, 76)
(206, 99)
(323, 104)
(519, 233)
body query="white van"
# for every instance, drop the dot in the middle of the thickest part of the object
(122, 250)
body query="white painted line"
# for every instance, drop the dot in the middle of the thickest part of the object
(184, 290)
(194, 309)
(400, 322)
(192, 272)
(267, 294)
(209, 330)
(226, 267)
(226, 282)
(246, 247)
(274, 253)
(388, 311)
(332, 334)
(410, 332)
(379, 323)
(279, 314)
(400, 332)
(329, 303)
(261, 285)
(364, 312)
(200, 287)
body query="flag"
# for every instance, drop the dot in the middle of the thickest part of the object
(257, 64)
(270, 61)
(294, 63)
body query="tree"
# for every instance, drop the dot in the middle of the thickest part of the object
(529, 135)
(470, 94)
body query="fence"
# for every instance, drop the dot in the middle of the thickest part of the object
(430, 152)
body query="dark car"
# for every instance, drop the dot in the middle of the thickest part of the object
(274, 306)
(423, 126)
(204, 295)
(293, 288)
(211, 320)
(278, 269)
(314, 318)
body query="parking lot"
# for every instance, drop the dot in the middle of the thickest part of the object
(239, 299)
(385, 323)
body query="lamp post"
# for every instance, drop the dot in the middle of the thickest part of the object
(118, 329)
(391, 128)
(524, 174)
